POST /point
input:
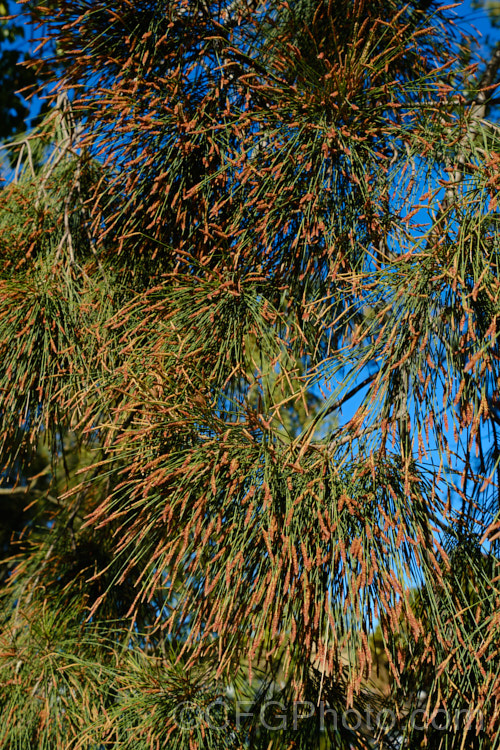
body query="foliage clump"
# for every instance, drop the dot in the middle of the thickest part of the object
(248, 313)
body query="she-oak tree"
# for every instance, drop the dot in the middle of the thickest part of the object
(239, 219)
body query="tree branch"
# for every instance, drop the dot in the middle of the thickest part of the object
(338, 403)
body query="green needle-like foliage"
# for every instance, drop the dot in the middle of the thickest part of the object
(249, 389)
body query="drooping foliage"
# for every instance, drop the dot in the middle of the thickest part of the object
(248, 305)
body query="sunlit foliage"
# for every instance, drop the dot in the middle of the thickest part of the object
(250, 284)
